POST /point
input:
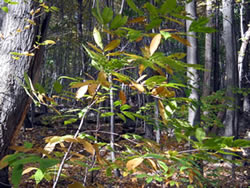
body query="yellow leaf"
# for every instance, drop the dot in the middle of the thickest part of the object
(80, 84)
(162, 111)
(94, 47)
(28, 170)
(27, 27)
(154, 44)
(145, 51)
(112, 45)
(122, 97)
(3, 163)
(28, 54)
(141, 69)
(15, 57)
(114, 54)
(139, 87)
(88, 147)
(46, 42)
(31, 22)
(152, 164)
(181, 40)
(102, 78)
(81, 91)
(18, 30)
(133, 163)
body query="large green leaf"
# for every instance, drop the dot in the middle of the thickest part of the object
(168, 6)
(107, 15)
(118, 21)
(200, 134)
(16, 175)
(132, 5)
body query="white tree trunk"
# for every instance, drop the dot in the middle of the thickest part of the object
(192, 59)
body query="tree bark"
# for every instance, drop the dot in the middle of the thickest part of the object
(192, 73)
(13, 99)
(208, 54)
(230, 80)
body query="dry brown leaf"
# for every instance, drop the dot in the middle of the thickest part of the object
(122, 97)
(181, 40)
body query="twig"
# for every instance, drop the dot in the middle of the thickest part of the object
(76, 134)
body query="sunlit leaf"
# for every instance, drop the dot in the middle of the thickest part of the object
(46, 42)
(155, 43)
(132, 164)
(88, 146)
(94, 47)
(97, 38)
(28, 170)
(139, 87)
(162, 111)
(81, 91)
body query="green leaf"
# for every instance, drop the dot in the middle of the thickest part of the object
(168, 6)
(153, 12)
(107, 15)
(165, 34)
(38, 176)
(122, 117)
(129, 115)
(163, 166)
(39, 88)
(16, 175)
(28, 145)
(70, 121)
(153, 24)
(118, 21)
(200, 26)
(47, 163)
(5, 9)
(153, 155)
(132, 5)
(107, 114)
(57, 86)
(29, 159)
(149, 179)
(125, 107)
(200, 134)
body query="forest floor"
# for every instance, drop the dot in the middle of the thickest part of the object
(37, 134)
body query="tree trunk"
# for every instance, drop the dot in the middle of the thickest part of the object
(192, 73)
(13, 99)
(230, 80)
(208, 55)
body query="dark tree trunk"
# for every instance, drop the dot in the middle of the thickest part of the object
(13, 99)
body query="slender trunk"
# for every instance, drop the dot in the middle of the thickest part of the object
(193, 114)
(208, 54)
(230, 80)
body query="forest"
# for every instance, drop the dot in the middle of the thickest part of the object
(124, 93)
